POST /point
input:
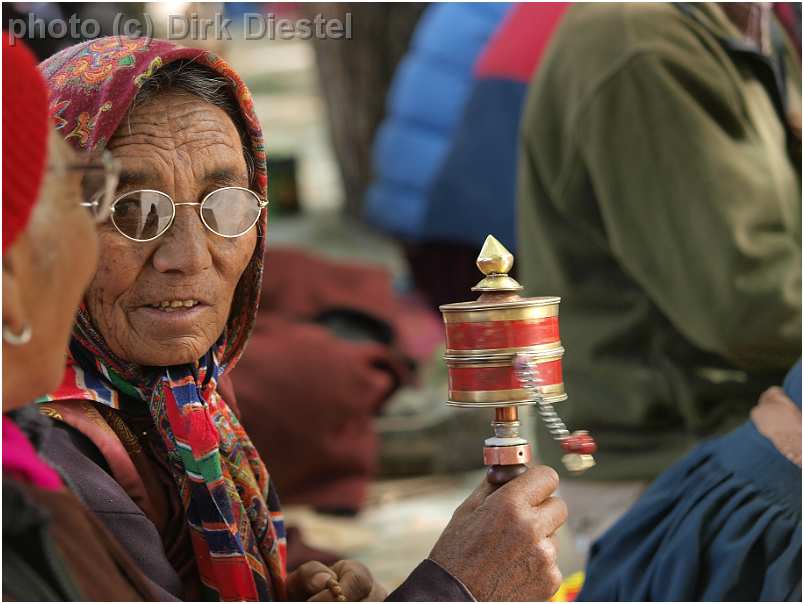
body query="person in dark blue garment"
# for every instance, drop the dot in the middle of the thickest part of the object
(722, 524)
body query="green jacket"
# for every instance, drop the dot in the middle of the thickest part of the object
(659, 195)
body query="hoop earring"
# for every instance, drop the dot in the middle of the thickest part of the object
(17, 339)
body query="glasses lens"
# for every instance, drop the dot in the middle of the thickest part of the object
(231, 212)
(142, 215)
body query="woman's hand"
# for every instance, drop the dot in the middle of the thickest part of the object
(353, 583)
(501, 541)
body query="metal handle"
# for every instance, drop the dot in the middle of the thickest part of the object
(530, 381)
(579, 445)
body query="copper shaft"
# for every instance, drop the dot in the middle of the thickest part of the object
(506, 414)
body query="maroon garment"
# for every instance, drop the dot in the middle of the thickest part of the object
(163, 506)
(97, 564)
(444, 272)
(307, 395)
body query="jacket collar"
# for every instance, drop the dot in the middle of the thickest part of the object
(711, 16)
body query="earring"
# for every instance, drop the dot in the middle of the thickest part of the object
(17, 339)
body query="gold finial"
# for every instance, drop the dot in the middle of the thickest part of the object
(495, 262)
(494, 258)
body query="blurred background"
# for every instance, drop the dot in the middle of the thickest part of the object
(343, 386)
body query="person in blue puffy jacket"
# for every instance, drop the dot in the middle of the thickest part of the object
(446, 155)
(425, 106)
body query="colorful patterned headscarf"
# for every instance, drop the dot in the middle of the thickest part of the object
(233, 513)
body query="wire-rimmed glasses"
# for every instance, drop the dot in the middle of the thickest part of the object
(145, 214)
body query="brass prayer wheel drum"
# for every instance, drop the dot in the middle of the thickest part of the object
(504, 351)
(529, 324)
(490, 381)
(484, 336)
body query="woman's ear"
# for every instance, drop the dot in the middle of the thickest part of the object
(15, 315)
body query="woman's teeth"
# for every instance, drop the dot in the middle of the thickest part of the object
(174, 305)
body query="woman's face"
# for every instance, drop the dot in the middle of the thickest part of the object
(185, 147)
(45, 274)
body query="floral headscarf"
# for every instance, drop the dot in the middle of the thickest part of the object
(232, 510)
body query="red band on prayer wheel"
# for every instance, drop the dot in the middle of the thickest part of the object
(500, 378)
(487, 335)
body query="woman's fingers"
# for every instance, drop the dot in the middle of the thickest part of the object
(354, 584)
(323, 596)
(550, 514)
(310, 578)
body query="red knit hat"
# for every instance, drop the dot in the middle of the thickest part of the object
(25, 131)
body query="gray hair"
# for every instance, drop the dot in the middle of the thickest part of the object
(200, 81)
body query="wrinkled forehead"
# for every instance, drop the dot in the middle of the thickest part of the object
(175, 139)
(94, 84)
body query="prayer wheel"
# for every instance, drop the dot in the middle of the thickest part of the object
(504, 351)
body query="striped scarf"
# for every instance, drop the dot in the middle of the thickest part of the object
(232, 509)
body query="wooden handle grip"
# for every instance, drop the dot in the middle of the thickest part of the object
(499, 475)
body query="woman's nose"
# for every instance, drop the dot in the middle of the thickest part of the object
(184, 247)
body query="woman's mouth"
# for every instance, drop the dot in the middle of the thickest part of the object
(172, 318)
(174, 305)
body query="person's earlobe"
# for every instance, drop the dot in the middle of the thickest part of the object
(16, 321)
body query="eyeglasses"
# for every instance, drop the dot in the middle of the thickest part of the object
(98, 184)
(146, 214)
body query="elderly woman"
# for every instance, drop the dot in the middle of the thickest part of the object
(53, 548)
(147, 435)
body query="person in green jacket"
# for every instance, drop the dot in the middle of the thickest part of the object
(659, 194)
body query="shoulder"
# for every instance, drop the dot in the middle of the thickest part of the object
(84, 468)
(90, 479)
(605, 34)
(619, 59)
(597, 41)
(35, 425)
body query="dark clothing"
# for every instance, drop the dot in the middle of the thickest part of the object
(723, 524)
(55, 550)
(429, 582)
(93, 483)
(156, 540)
(147, 450)
(33, 567)
(660, 197)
